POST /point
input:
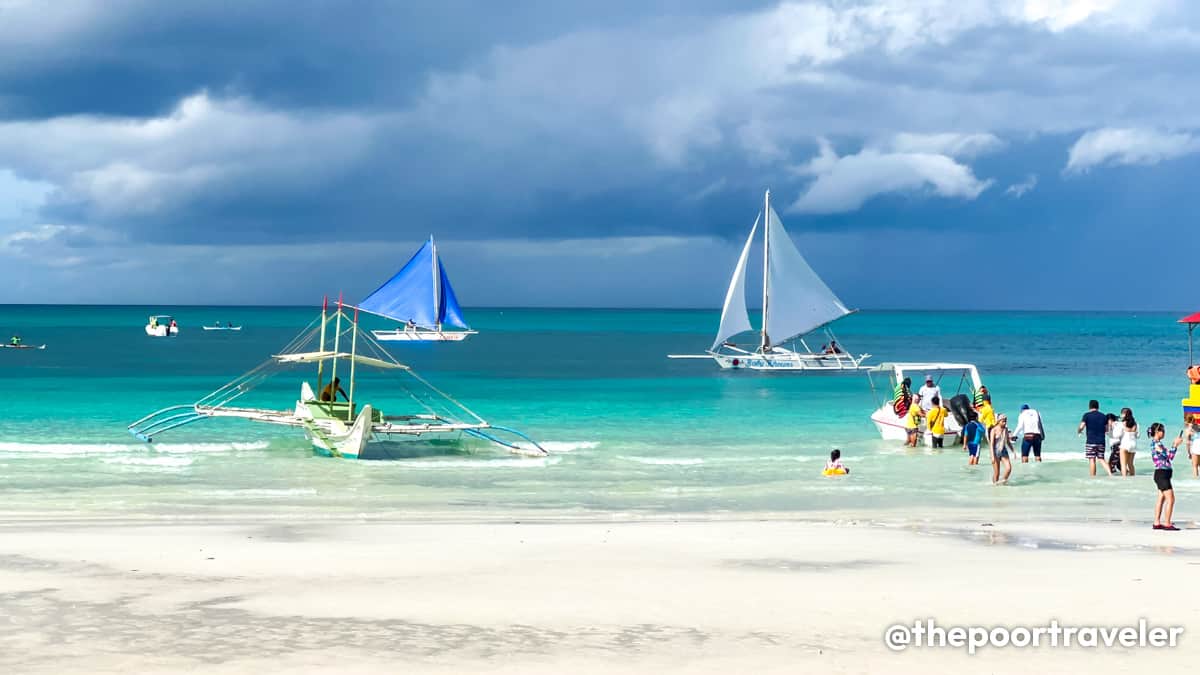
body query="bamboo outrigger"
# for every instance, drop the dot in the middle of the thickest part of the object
(339, 428)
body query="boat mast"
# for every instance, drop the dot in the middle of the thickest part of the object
(353, 354)
(766, 341)
(321, 362)
(437, 287)
(337, 338)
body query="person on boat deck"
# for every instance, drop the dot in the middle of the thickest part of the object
(331, 390)
(928, 392)
(15, 341)
(834, 347)
(410, 325)
(173, 324)
(902, 397)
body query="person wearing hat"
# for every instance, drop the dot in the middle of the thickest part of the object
(928, 392)
(1001, 444)
(1031, 432)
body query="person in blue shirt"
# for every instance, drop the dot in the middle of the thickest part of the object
(972, 435)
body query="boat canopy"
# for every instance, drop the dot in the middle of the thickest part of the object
(1191, 319)
(420, 292)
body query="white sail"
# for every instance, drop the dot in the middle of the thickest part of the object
(734, 317)
(800, 301)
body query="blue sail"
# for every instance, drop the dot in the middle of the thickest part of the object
(449, 313)
(412, 295)
(409, 295)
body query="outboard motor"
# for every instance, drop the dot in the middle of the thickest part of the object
(960, 406)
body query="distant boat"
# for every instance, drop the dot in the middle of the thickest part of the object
(220, 327)
(161, 325)
(420, 297)
(796, 302)
(12, 346)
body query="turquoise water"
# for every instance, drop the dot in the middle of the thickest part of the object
(628, 429)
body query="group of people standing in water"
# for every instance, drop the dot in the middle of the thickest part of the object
(1111, 440)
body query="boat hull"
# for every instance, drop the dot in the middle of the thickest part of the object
(221, 328)
(422, 335)
(789, 361)
(161, 330)
(891, 427)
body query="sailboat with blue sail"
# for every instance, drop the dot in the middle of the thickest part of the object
(420, 297)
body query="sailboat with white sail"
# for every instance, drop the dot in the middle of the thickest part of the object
(795, 304)
(420, 297)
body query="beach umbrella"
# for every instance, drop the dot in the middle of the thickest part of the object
(1191, 320)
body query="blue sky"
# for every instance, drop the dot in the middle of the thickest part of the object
(937, 154)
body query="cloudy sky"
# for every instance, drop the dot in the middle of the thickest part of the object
(923, 154)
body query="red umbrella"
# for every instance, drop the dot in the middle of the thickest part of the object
(1192, 321)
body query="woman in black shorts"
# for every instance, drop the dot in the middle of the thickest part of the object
(1162, 456)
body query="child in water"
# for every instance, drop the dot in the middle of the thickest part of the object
(834, 466)
(972, 435)
(1162, 456)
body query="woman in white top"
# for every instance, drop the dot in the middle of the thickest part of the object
(1129, 430)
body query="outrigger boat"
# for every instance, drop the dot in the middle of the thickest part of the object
(891, 423)
(420, 297)
(220, 327)
(795, 303)
(340, 428)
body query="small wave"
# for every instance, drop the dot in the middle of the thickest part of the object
(72, 449)
(513, 462)
(667, 461)
(565, 446)
(262, 492)
(172, 462)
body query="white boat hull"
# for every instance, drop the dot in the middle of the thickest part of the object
(783, 360)
(422, 335)
(161, 330)
(891, 427)
(221, 327)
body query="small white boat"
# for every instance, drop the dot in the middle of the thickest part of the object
(891, 426)
(420, 297)
(23, 346)
(161, 325)
(795, 303)
(342, 426)
(220, 327)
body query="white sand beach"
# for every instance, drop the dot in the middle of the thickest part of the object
(690, 596)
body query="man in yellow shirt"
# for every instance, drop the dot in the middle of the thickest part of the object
(936, 419)
(912, 422)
